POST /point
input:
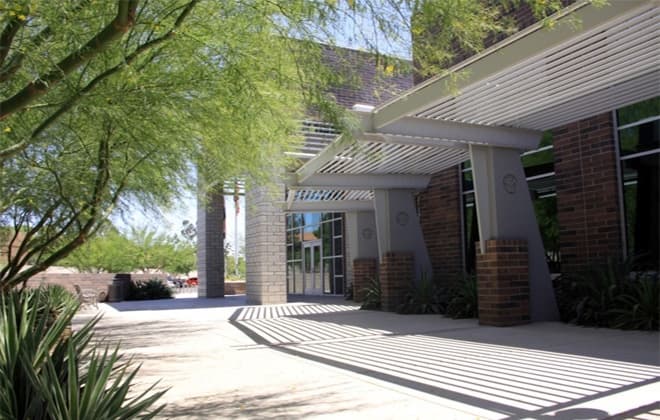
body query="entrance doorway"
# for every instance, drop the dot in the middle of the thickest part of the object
(312, 264)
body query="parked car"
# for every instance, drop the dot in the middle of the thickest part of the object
(192, 281)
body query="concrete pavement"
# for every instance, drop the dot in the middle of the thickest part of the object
(222, 359)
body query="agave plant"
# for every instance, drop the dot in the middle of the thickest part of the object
(47, 374)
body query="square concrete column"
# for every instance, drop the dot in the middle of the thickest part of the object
(265, 245)
(505, 212)
(210, 245)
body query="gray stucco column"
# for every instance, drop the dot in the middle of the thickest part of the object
(265, 245)
(398, 227)
(210, 245)
(505, 211)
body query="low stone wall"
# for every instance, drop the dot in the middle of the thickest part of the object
(100, 282)
(234, 288)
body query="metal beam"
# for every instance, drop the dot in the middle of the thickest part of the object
(459, 134)
(365, 182)
(325, 156)
(515, 49)
(412, 141)
(331, 206)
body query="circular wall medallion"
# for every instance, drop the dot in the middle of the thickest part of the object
(510, 183)
(367, 233)
(402, 218)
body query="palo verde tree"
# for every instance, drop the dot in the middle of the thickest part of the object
(109, 104)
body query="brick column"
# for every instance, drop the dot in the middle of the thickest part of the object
(397, 273)
(210, 245)
(503, 283)
(587, 192)
(364, 270)
(440, 218)
(265, 246)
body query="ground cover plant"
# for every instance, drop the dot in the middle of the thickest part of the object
(47, 372)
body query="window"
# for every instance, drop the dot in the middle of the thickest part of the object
(638, 128)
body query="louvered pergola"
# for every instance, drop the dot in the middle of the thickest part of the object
(594, 59)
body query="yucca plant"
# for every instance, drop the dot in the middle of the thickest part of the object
(48, 374)
(372, 294)
(638, 307)
(462, 297)
(422, 298)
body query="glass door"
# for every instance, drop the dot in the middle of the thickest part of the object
(312, 263)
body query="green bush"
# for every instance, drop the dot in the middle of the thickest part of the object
(459, 299)
(151, 289)
(613, 295)
(48, 373)
(421, 299)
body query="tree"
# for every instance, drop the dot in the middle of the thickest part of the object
(107, 105)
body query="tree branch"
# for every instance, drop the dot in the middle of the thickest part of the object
(39, 87)
(129, 59)
(7, 36)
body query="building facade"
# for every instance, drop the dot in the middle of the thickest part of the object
(542, 159)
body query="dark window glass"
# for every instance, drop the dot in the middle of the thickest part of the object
(327, 239)
(338, 227)
(641, 191)
(471, 230)
(338, 247)
(339, 266)
(639, 111)
(639, 138)
(468, 183)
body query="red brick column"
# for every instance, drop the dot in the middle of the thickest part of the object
(397, 273)
(587, 192)
(503, 283)
(440, 218)
(364, 270)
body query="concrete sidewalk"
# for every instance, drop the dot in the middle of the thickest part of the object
(222, 359)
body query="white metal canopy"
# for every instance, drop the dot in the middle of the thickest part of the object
(594, 59)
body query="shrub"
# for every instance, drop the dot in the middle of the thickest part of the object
(372, 294)
(610, 295)
(46, 373)
(421, 299)
(460, 297)
(151, 289)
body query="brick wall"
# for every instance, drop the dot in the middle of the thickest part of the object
(503, 283)
(365, 81)
(364, 271)
(397, 273)
(440, 218)
(587, 192)
(234, 288)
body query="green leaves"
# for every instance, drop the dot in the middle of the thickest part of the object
(47, 373)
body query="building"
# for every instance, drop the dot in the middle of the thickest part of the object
(546, 151)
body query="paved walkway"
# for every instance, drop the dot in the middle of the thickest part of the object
(222, 359)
